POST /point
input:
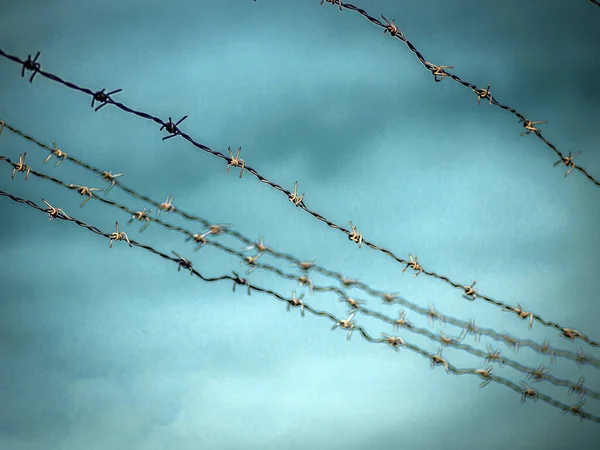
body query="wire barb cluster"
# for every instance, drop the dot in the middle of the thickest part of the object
(103, 98)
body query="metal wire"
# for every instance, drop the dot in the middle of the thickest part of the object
(353, 235)
(306, 267)
(347, 324)
(440, 72)
(387, 298)
(355, 305)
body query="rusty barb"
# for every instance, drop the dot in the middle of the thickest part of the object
(60, 155)
(109, 178)
(166, 206)
(293, 197)
(85, 191)
(486, 374)
(471, 328)
(141, 215)
(538, 374)
(395, 342)
(259, 246)
(530, 126)
(54, 212)
(437, 360)
(528, 393)
(567, 161)
(346, 324)
(520, 313)
(118, 236)
(470, 291)
(413, 263)
(392, 28)
(494, 356)
(236, 161)
(402, 322)
(483, 94)
(21, 166)
(438, 72)
(355, 236)
(200, 238)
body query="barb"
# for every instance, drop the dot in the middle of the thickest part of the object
(21, 167)
(236, 161)
(60, 155)
(103, 98)
(439, 72)
(31, 65)
(354, 304)
(305, 266)
(172, 128)
(117, 236)
(348, 324)
(298, 201)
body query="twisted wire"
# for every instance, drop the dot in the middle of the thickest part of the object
(387, 298)
(353, 235)
(346, 324)
(539, 374)
(440, 72)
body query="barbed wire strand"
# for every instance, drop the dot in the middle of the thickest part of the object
(440, 72)
(173, 130)
(345, 324)
(355, 305)
(386, 297)
(595, 2)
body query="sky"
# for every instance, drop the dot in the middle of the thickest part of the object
(113, 348)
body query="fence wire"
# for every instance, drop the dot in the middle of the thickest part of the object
(104, 98)
(348, 325)
(440, 72)
(354, 305)
(213, 230)
(492, 355)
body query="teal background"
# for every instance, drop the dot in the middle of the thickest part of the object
(113, 349)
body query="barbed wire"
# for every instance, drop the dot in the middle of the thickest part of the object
(172, 128)
(214, 230)
(349, 325)
(355, 305)
(595, 2)
(440, 72)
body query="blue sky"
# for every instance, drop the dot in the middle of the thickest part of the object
(113, 348)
